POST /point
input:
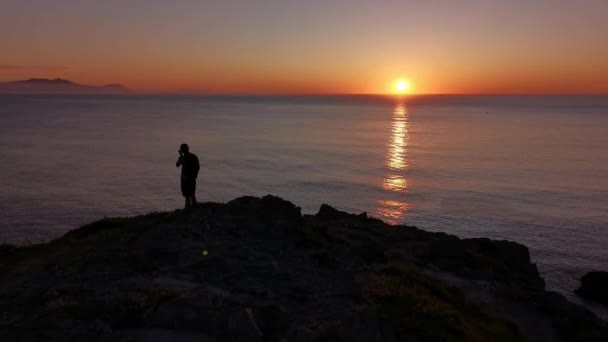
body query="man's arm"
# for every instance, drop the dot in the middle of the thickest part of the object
(179, 162)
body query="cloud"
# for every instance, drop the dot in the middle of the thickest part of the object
(16, 67)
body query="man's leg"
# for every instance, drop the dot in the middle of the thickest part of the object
(193, 193)
(184, 187)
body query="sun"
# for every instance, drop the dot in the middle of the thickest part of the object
(402, 86)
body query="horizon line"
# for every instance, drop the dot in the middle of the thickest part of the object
(194, 92)
(177, 93)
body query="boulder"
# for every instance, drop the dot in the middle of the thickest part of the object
(594, 286)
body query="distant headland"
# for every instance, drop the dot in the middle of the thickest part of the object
(59, 86)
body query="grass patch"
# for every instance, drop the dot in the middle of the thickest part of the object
(431, 310)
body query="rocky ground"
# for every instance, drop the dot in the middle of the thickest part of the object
(257, 270)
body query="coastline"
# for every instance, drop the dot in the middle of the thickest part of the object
(257, 269)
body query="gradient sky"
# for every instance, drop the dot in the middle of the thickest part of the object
(313, 46)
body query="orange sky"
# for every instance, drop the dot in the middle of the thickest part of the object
(352, 46)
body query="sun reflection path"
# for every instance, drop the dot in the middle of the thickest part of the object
(395, 183)
(390, 210)
(397, 148)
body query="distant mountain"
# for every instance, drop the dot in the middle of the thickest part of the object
(59, 86)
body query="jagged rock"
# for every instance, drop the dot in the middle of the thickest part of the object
(327, 212)
(256, 269)
(482, 258)
(594, 285)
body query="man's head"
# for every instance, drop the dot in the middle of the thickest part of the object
(184, 148)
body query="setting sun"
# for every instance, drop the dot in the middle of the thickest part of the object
(401, 86)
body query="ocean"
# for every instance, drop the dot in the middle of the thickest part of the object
(531, 169)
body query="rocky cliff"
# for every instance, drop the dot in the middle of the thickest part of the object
(257, 270)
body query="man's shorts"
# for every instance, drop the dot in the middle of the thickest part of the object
(188, 187)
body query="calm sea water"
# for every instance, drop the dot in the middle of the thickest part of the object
(528, 169)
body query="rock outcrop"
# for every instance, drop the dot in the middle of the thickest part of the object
(594, 286)
(258, 270)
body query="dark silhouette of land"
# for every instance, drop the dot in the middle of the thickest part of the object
(594, 286)
(59, 85)
(256, 269)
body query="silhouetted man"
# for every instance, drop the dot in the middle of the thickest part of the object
(190, 166)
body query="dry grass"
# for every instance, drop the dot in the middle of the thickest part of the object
(431, 310)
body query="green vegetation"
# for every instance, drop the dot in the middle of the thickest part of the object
(431, 310)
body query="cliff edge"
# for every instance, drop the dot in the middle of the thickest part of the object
(256, 269)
